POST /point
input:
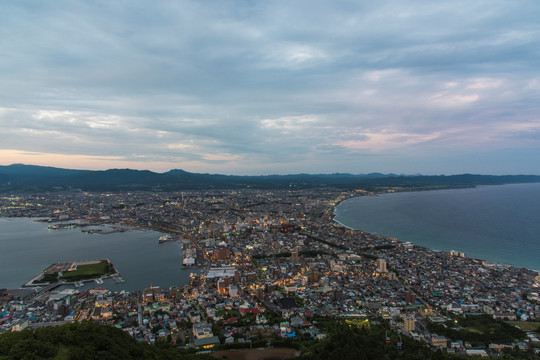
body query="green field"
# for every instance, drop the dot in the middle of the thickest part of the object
(358, 322)
(525, 325)
(90, 271)
(474, 330)
(480, 329)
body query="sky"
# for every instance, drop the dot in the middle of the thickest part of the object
(253, 87)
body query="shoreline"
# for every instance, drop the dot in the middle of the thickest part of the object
(76, 243)
(492, 262)
(439, 251)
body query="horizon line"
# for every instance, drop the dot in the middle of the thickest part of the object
(275, 174)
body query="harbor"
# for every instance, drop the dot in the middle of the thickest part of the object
(28, 241)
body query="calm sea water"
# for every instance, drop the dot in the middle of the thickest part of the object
(27, 247)
(495, 223)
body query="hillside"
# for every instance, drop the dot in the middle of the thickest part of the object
(86, 340)
(29, 178)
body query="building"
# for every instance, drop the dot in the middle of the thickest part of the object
(288, 228)
(222, 286)
(154, 293)
(295, 257)
(233, 290)
(20, 325)
(259, 292)
(221, 272)
(476, 352)
(410, 297)
(206, 344)
(439, 341)
(202, 330)
(381, 265)
(505, 316)
(221, 253)
(409, 325)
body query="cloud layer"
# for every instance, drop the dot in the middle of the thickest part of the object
(259, 87)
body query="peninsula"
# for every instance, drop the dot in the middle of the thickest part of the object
(74, 273)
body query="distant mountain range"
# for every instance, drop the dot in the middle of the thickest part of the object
(31, 178)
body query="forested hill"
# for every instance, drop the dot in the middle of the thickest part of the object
(20, 178)
(89, 340)
(86, 340)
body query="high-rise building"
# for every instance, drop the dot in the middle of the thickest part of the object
(295, 254)
(381, 265)
(222, 286)
(408, 324)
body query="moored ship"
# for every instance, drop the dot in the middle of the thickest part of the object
(165, 238)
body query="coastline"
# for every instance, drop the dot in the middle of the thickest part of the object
(333, 270)
(37, 247)
(345, 226)
(487, 262)
(416, 244)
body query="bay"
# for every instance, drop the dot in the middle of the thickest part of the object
(499, 223)
(27, 247)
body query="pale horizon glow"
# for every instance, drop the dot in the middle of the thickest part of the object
(258, 88)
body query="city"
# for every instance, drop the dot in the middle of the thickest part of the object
(261, 180)
(269, 267)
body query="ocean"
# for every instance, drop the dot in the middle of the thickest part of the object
(27, 247)
(498, 223)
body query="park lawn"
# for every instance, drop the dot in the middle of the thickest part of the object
(525, 325)
(88, 271)
(363, 322)
(474, 330)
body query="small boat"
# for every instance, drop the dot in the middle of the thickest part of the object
(165, 238)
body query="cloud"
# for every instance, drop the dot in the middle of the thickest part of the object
(290, 124)
(454, 100)
(267, 86)
(485, 84)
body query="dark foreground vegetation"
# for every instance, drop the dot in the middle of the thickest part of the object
(478, 330)
(371, 343)
(86, 340)
(89, 340)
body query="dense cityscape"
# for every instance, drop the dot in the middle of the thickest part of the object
(270, 266)
(262, 180)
